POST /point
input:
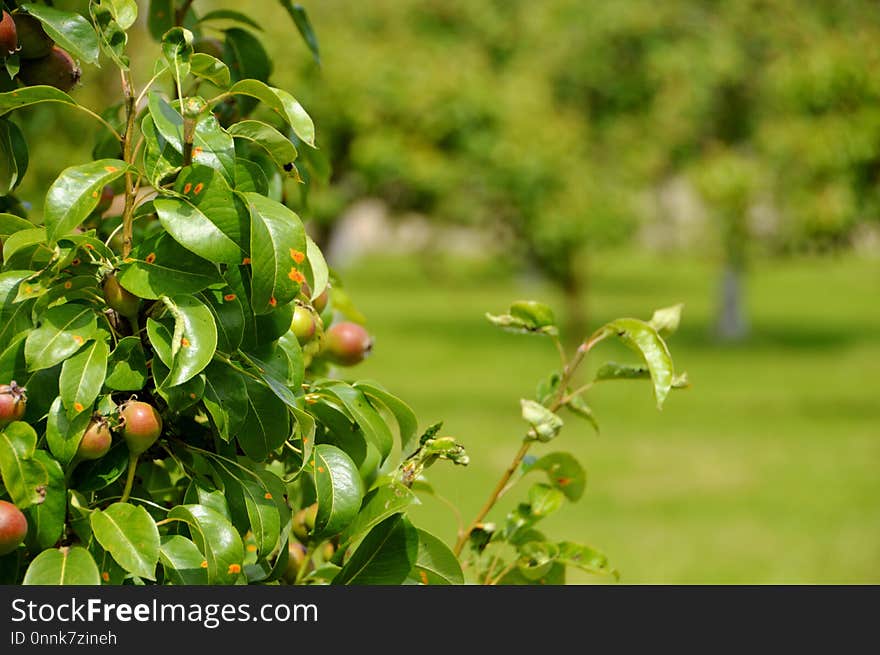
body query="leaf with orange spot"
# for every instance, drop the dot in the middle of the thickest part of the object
(75, 194)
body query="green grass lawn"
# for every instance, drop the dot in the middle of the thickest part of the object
(766, 471)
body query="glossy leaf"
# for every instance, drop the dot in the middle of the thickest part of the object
(64, 431)
(98, 474)
(365, 415)
(63, 330)
(545, 424)
(534, 314)
(215, 208)
(46, 520)
(545, 499)
(75, 194)
(261, 510)
(615, 371)
(14, 317)
(338, 488)
(563, 471)
(380, 503)
(407, 422)
(644, 339)
(63, 566)
(194, 339)
(82, 377)
(317, 272)
(177, 49)
(127, 366)
(112, 36)
(13, 157)
(584, 558)
(210, 68)
(159, 266)
(384, 557)
(10, 224)
(279, 148)
(130, 535)
(32, 95)
(228, 316)
(282, 103)
(278, 245)
(229, 14)
(217, 540)
(435, 562)
(182, 561)
(24, 477)
(267, 422)
(226, 399)
(124, 12)
(68, 29)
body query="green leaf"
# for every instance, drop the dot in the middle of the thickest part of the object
(407, 422)
(177, 49)
(615, 371)
(545, 499)
(247, 58)
(82, 377)
(545, 424)
(127, 366)
(226, 399)
(63, 566)
(113, 38)
(194, 340)
(563, 471)
(46, 520)
(14, 317)
(209, 212)
(182, 561)
(435, 562)
(229, 14)
(124, 12)
(24, 477)
(64, 431)
(32, 95)
(584, 558)
(279, 148)
(13, 157)
(380, 503)
(98, 474)
(250, 177)
(160, 18)
(282, 103)
(384, 557)
(74, 195)
(69, 30)
(644, 339)
(217, 540)
(534, 314)
(10, 224)
(159, 266)
(304, 25)
(578, 406)
(317, 272)
(130, 535)
(666, 320)
(228, 316)
(259, 504)
(63, 330)
(338, 488)
(278, 244)
(211, 145)
(364, 415)
(210, 68)
(267, 422)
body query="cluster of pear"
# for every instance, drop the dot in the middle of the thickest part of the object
(41, 61)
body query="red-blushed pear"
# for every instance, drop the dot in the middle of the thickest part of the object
(13, 527)
(8, 35)
(13, 403)
(347, 343)
(141, 426)
(96, 441)
(56, 69)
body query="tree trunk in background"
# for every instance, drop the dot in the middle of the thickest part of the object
(577, 325)
(731, 324)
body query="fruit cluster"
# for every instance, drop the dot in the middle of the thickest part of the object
(41, 61)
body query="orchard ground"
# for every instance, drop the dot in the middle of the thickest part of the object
(765, 471)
